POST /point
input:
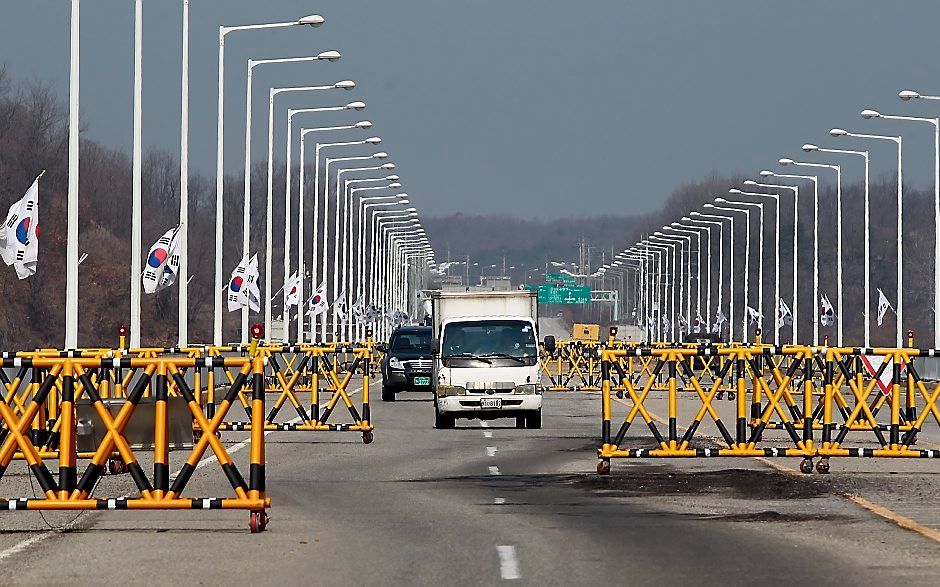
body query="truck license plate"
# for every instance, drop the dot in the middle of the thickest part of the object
(491, 403)
(422, 381)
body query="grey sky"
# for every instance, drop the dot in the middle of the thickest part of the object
(522, 107)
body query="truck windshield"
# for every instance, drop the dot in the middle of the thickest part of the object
(500, 342)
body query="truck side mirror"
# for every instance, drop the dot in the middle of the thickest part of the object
(550, 344)
(435, 344)
(382, 348)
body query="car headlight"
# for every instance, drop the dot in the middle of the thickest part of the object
(395, 363)
(527, 389)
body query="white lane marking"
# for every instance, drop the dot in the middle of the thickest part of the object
(508, 563)
(487, 434)
(494, 471)
(491, 451)
(499, 501)
(32, 540)
(484, 424)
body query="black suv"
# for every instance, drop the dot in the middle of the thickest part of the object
(407, 361)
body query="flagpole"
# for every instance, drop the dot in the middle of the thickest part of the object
(137, 175)
(184, 188)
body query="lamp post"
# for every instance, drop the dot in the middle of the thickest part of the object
(838, 132)
(707, 226)
(776, 199)
(694, 231)
(685, 287)
(301, 215)
(747, 258)
(336, 238)
(907, 95)
(731, 280)
(760, 246)
(796, 222)
(810, 148)
(314, 20)
(269, 219)
(246, 212)
(815, 180)
(838, 170)
(183, 250)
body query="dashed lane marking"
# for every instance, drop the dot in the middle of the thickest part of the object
(491, 451)
(494, 471)
(508, 563)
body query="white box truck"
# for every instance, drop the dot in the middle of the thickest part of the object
(486, 357)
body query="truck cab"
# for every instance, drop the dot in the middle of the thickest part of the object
(486, 357)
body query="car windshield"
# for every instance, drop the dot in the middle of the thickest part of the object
(489, 338)
(411, 341)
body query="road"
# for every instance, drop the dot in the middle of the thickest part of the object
(487, 504)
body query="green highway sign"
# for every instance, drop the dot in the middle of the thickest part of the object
(549, 294)
(560, 278)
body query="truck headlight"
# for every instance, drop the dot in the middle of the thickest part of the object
(527, 389)
(395, 363)
(449, 390)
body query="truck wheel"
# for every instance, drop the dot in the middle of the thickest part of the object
(388, 394)
(443, 421)
(533, 421)
(520, 421)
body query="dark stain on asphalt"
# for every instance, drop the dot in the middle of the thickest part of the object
(640, 480)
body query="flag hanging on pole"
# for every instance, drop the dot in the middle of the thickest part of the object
(359, 310)
(237, 284)
(683, 323)
(665, 323)
(317, 303)
(827, 316)
(252, 294)
(784, 315)
(340, 305)
(697, 328)
(19, 238)
(883, 305)
(753, 316)
(719, 320)
(157, 260)
(292, 291)
(172, 268)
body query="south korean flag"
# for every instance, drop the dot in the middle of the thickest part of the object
(157, 259)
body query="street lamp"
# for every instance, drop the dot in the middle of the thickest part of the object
(776, 199)
(269, 218)
(810, 148)
(747, 257)
(867, 114)
(838, 170)
(838, 132)
(815, 180)
(313, 20)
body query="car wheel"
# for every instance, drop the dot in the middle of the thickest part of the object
(534, 420)
(388, 394)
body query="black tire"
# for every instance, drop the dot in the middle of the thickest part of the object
(388, 394)
(520, 421)
(533, 421)
(443, 421)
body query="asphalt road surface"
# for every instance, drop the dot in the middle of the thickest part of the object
(485, 504)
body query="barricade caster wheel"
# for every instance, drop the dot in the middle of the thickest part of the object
(731, 396)
(806, 466)
(367, 437)
(257, 521)
(603, 468)
(619, 395)
(719, 395)
(117, 466)
(822, 467)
